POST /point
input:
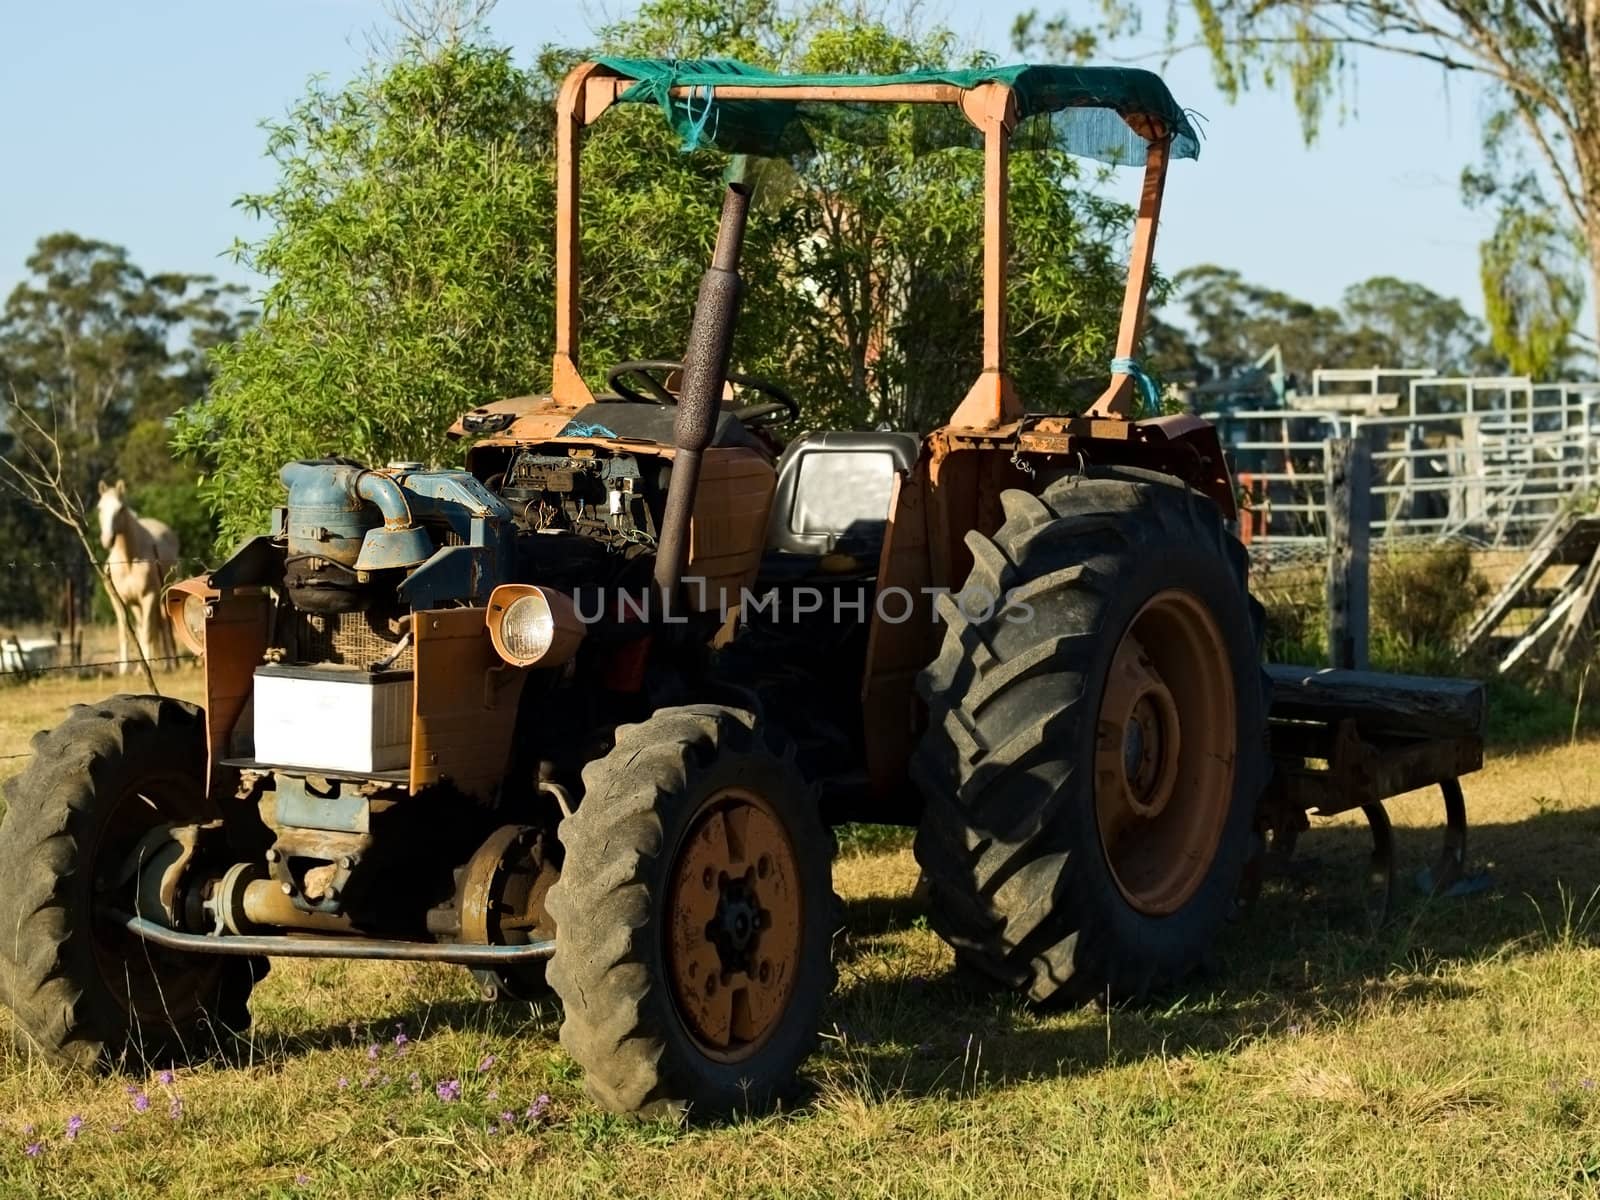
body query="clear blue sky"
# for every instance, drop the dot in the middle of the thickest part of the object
(137, 124)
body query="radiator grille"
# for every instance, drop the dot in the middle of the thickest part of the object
(353, 638)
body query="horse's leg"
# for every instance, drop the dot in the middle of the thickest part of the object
(120, 611)
(165, 638)
(147, 629)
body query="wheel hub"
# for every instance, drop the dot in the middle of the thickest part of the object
(1164, 753)
(734, 923)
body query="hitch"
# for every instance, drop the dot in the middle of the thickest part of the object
(1342, 740)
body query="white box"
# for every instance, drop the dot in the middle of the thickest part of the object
(333, 718)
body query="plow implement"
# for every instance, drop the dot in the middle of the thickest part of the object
(1343, 740)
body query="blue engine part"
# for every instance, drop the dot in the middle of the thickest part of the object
(453, 532)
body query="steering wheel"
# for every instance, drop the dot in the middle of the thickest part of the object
(651, 390)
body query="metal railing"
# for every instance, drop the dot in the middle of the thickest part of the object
(1490, 459)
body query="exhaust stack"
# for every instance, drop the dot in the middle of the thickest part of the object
(705, 371)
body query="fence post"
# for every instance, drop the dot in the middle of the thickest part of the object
(1349, 480)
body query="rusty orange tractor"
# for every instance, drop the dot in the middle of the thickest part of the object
(593, 702)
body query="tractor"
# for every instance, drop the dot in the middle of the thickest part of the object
(582, 715)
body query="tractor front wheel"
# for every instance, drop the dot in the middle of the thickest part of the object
(85, 992)
(692, 917)
(1096, 746)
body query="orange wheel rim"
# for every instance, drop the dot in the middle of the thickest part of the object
(1164, 752)
(735, 915)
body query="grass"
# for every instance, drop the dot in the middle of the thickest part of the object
(1452, 1054)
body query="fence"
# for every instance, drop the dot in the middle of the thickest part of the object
(1490, 461)
(69, 642)
(1470, 481)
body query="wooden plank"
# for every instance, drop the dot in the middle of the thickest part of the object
(1577, 616)
(1391, 703)
(1349, 480)
(1543, 553)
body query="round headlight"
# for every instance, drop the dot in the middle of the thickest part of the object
(194, 622)
(527, 629)
(533, 626)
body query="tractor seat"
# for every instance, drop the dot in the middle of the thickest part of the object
(832, 497)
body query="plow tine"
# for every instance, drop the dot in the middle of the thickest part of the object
(1380, 872)
(1451, 867)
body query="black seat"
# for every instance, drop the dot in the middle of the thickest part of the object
(833, 494)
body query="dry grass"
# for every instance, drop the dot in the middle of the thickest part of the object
(1453, 1054)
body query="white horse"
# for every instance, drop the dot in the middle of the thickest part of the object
(141, 552)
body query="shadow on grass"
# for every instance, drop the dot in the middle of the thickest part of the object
(1305, 955)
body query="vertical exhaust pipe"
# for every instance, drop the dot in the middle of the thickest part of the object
(705, 371)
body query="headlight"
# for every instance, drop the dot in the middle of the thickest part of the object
(194, 623)
(533, 626)
(186, 609)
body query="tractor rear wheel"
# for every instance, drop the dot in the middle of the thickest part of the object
(692, 917)
(84, 992)
(1096, 747)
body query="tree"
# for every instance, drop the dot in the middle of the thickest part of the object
(1383, 322)
(1421, 327)
(94, 351)
(1532, 296)
(410, 273)
(106, 344)
(1538, 59)
(410, 250)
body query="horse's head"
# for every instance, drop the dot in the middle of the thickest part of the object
(113, 508)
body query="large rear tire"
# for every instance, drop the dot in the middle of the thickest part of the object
(85, 993)
(693, 917)
(1096, 749)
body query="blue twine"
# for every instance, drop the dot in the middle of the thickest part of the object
(584, 429)
(697, 125)
(1147, 386)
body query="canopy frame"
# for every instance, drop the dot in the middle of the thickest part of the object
(991, 107)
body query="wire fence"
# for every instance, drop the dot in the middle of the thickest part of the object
(1424, 593)
(80, 628)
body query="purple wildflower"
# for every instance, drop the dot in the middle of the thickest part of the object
(416, 1082)
(344, 1082)
(141, 1102)
(538, 1107)
(175, 1111)
(487, 1061)
(493, 1095)
(400, 1040)
(508, 1117)
(33, 1149)
(448, 1089)
(302, 1179)
(74, 1127)
(372, 1050)
(492, 1130)
(164, 1079)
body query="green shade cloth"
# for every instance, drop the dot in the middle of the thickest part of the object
(1076, 109)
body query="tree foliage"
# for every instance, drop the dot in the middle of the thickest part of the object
(409, 250)
(410, 273)
(1532, 296)
(100, 355)
(1381, 322)
(1539, 61)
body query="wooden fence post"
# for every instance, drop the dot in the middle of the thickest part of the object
(1349, 479)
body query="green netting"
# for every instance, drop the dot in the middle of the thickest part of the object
(1076, 109)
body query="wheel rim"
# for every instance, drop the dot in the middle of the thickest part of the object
(734, 920)
(126, 963)
(1164, 754)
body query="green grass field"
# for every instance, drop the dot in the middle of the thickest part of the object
(1455, 1053)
